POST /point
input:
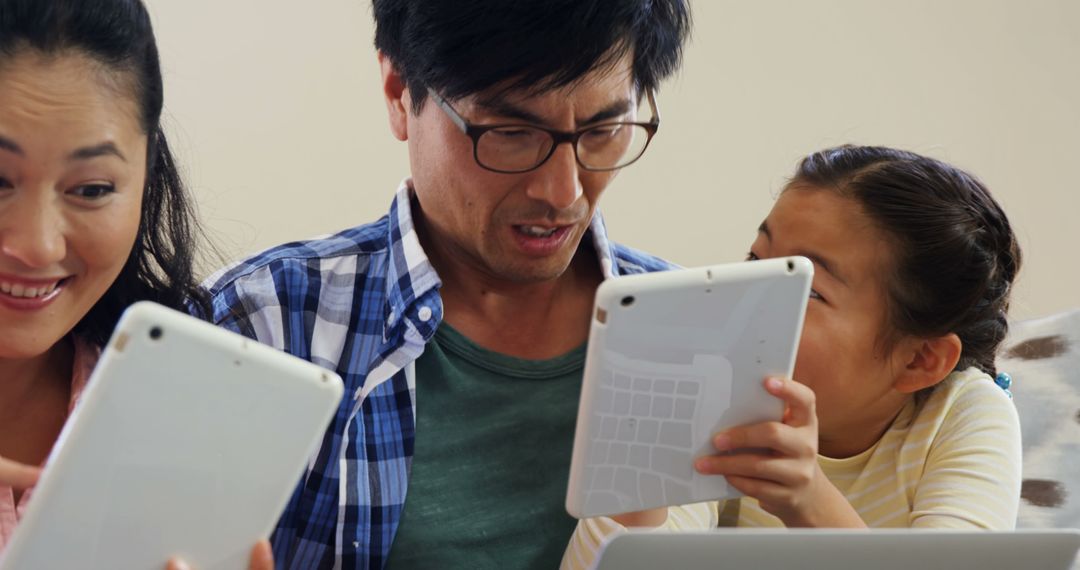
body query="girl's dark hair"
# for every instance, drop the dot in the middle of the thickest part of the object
(463, 47)
(118, 35)
(954, 253)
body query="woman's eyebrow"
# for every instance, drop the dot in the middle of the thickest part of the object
(94, 151)
(10, 146)
(85, 153)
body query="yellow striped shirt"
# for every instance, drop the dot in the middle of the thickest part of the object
(951, 460)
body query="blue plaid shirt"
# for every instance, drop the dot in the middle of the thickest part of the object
(362, 302)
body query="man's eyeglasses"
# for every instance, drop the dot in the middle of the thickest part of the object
(516, 148)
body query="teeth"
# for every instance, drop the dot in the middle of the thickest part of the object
(538, 231)
(24, 292)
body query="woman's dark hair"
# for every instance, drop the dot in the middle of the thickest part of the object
(463, 47)
(954, 253)
(117, 34)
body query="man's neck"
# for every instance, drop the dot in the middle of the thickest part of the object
(526, 320)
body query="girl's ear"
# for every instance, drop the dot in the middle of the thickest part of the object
(927, 362)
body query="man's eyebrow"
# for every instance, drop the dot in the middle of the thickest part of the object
(509, 110)
(818, 260)
(10, 146)
(103, 149)
(612, 111)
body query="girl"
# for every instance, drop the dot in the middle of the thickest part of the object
(896, 419)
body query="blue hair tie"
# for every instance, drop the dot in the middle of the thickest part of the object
(1005, 382)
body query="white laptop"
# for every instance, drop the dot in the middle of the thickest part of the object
(816, 549)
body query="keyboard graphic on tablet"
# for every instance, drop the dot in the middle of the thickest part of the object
(648, 427)
(673, 358)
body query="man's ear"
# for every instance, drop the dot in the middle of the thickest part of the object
(397, 98)
(927, 362)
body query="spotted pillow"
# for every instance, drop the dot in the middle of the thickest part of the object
(1043, 358)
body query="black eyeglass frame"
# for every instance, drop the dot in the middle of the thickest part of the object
(474, 132)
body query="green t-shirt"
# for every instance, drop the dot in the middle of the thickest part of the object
(487, 485)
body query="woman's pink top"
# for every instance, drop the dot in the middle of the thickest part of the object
(10, 513)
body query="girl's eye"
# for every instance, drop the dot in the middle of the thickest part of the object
(751, 256)
(93, 191)
(815, 295)
(5, 184)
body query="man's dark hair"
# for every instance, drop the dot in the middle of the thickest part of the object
(117, 34)
(463, 47)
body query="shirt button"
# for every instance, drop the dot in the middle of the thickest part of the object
(390, 320)
(424, 314)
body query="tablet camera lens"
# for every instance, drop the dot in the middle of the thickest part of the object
(627, 301)
(790, 266)
(155, 333)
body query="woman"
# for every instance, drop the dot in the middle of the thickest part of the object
(93, 216)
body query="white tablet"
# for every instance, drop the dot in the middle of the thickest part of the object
(188, 441)
(673, 358)
(829, 549)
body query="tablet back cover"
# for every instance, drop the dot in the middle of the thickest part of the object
(673, 358)
(187, 441)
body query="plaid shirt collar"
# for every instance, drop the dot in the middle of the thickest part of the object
(411, 276)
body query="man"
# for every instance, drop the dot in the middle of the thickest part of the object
(458, 321)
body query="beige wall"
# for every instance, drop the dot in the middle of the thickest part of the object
(275, 109)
